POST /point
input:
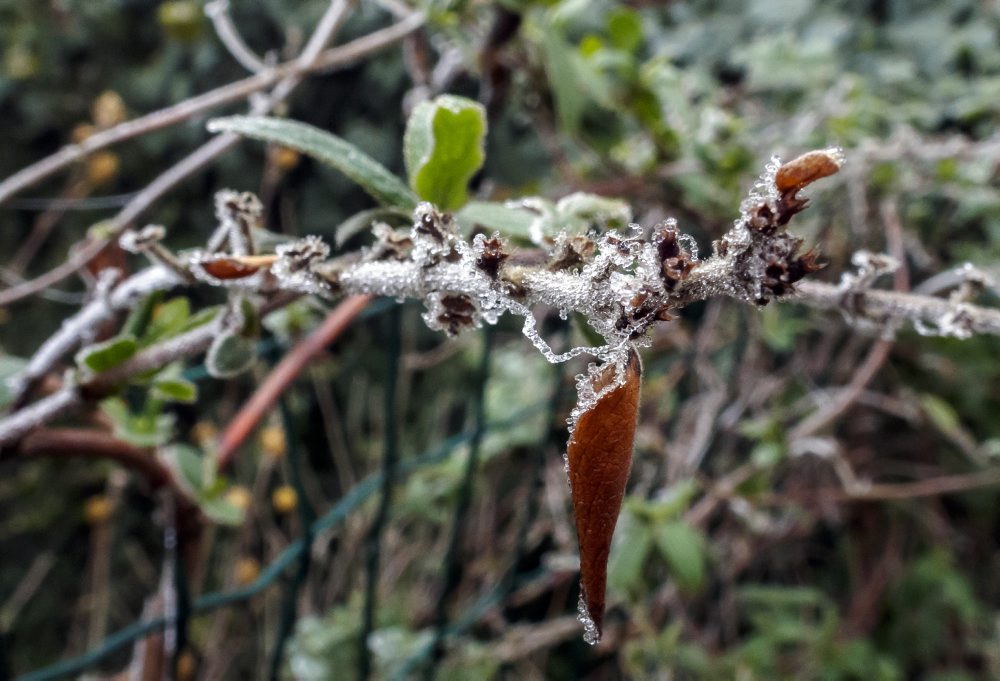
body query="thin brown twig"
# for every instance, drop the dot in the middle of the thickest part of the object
(291, 365)
(229, 35)
(931, 487)
(76, 443)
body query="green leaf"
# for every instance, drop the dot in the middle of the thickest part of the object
(199, 318)
(9, 367)
(632, 542)
(669, 504)
(443, 149)
(142, 314)
(941, 414)
(175, 390)
(251, 320)
(625, 29)
(580, 211)
(363, 221)
(507, 220)
(372, 176)
(230, 355)
(187, 462)
(106, 355)
(562, 74)
(683, 548)
(219, 510)
(188, 466)
(167, 320)
(142, 430)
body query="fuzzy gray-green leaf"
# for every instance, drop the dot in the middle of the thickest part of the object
(371, 175)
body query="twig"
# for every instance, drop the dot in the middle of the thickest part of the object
(79, 328)
(82, 443)
(336, 57)
(26, 588)
(218, 12)
(278, 380)
(932, 487)
(890, 305)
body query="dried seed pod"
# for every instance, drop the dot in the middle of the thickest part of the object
(807, 168)
(491, 256)
(599, 456)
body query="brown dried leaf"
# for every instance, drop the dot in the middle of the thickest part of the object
(236, 267)
(807, 168)
(599, 456)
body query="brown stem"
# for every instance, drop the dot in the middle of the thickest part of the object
(80, 443)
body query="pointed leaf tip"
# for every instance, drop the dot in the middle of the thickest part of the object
(599, 456)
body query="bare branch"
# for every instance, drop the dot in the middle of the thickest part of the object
(334, 58)
(229, 35)
(950, 318)
(288, 75)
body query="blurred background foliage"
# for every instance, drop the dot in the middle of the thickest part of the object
(741, 552)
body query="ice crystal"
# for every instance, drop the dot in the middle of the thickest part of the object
(590, 633)
(137, 242)
(294, 267)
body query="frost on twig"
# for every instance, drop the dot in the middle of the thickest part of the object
(621, 282)
(884, 312)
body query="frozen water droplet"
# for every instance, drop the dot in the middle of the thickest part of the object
(690, 244)
(590, 633)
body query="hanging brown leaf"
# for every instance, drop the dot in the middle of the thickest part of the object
(599, 455)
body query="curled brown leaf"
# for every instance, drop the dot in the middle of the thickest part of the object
(599, 456)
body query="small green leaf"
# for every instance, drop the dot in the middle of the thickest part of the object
(188, 466)
(625, 29)
(507, 220)
(767, 454)
(443, 148)
(142, 430)
(142, 314)
(561, 70)
(670, 503)
(580, 211)
(199, 318)
(230, 355)
(251, 320)
(175, 390)
(106, 355)
(941, 414)
(219, 510)
(372, 176)
(683, 548)
(632, 543)
(167, 320)
(9, 367)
